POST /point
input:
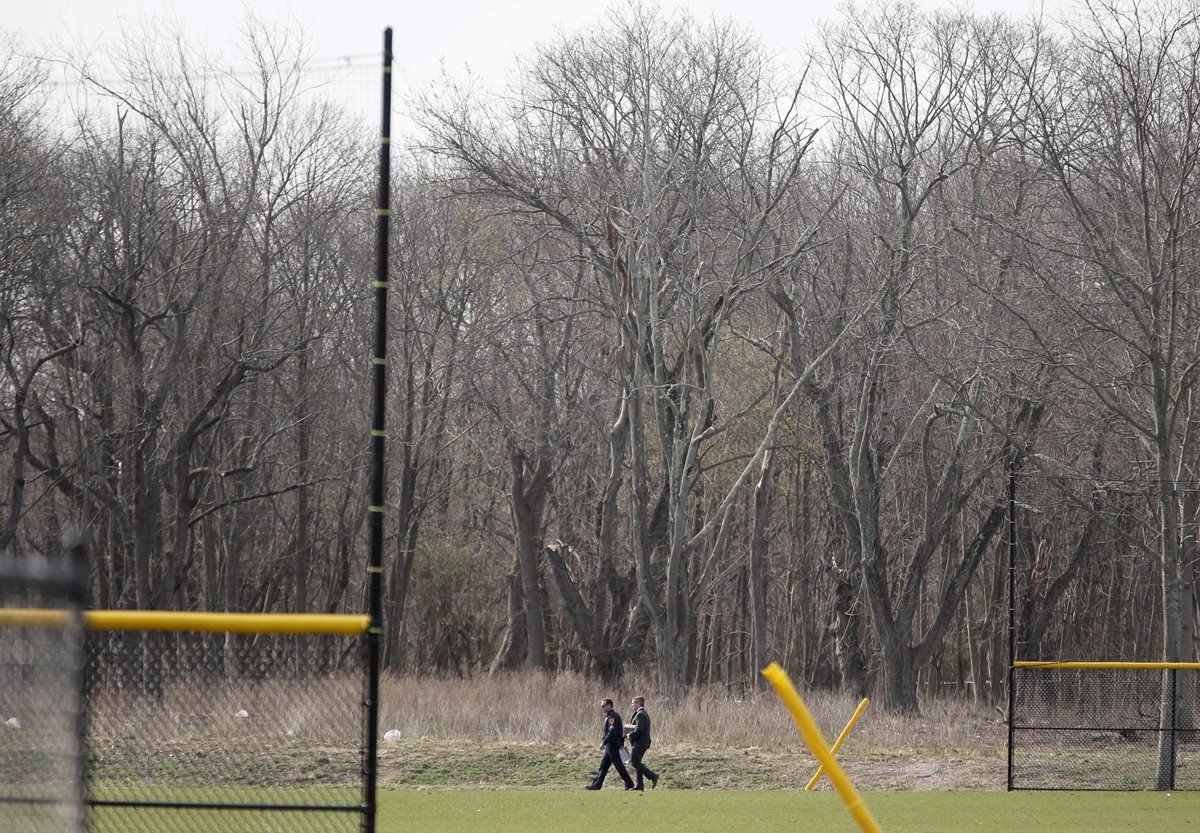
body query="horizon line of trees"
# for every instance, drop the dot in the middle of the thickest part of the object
(697, 360)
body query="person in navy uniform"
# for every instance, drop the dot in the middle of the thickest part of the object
(639, 740)
(612, 740)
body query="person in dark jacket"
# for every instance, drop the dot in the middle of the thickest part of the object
(612, 739)
(639, 740)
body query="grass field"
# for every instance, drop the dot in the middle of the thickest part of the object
(698, 811)
(781, 811)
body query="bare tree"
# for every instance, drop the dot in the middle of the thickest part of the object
(443, 287)
(918, 106)
(31, 232)
(664, 150)
(1116, 109)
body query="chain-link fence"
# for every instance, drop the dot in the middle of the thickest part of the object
(41, 697)
(221, 730)
(1104, 726)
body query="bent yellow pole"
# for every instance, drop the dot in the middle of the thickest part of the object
(778, 678)
(837, 744)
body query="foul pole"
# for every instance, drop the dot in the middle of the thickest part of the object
(383, 210)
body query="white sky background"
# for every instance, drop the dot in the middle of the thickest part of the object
(347, 34)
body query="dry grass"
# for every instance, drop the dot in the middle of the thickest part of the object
(563, 708)
(524, 708)
(531, 730)
(521, 730)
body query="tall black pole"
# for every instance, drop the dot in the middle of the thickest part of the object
(383, 210)
(1012, 610)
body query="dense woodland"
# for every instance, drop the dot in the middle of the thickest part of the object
(699, 356)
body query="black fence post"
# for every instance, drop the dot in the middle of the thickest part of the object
(1174, 720)
(1012, 612)
(75, 543)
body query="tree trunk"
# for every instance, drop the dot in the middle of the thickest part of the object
(758, 580)
(844, 570)
(847, 646)
(512, 649)
(527, 502)
(899, 677)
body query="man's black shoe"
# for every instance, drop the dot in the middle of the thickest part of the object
(592, 787)
(639, 788)
(629, 787)
(653, 781)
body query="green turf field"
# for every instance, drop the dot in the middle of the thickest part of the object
(776, 811)
(698, 811)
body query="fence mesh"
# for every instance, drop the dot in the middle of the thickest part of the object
(225, 731)
(41, 700)
(1105, 729)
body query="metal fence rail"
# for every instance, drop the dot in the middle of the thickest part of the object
(1104, 726)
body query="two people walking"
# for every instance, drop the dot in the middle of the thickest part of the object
(612, 742)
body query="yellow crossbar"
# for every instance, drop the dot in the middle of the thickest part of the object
(18, 617)
(158, 620)
(816, 742)
(837, 744)
(1149, 666)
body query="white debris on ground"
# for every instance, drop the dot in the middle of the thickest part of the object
(391, 734)
(13, 723)
(243, 713)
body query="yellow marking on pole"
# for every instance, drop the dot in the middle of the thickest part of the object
(374, 508)
(387, 70)
(1149, 666)
(375, 570)
(837, 744)
(383, 212)
(374, 630)
(176, 621)
(377, 433)
(379, 361)
(385, 140)
(379, 284)
(778, 678)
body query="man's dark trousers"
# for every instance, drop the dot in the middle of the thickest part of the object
(639, 739)
(635, 761)
(612, 757)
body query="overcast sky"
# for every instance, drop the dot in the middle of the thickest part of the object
(428, 34)
(483, 34)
